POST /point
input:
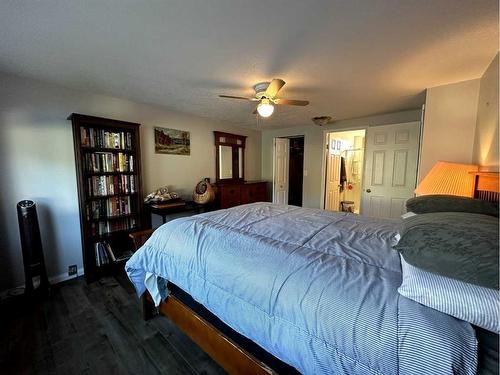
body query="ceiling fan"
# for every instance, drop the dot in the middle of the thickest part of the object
(265, 94)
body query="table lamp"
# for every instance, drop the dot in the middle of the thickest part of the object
(446, 178)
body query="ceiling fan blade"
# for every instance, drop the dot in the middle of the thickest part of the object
(238, 97)
(291, 102)
(273, 88)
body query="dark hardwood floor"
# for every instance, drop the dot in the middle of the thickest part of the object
(93, 329)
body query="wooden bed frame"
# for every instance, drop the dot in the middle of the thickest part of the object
(227, 353)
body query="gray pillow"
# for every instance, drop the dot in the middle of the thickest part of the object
(458, 245)
(450, 203)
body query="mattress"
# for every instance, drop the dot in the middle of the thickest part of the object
(316, 289)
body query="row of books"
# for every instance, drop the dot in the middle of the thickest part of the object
(109, 162)
(110, 207)
(102, 138)
(104, 254)
(108, 185)
(107, 226)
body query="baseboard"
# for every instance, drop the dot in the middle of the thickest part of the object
(52, 280)
(64, 276)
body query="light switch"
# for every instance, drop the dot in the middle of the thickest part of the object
(305, 172)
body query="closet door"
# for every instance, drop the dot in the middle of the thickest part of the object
(280, 183)
(390, 169)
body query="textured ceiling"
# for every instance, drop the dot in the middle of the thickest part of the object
(348, 58)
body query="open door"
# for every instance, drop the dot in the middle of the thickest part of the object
(280, 180)
(332, 186)
(390, 169)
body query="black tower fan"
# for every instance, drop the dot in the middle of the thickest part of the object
(31, 243)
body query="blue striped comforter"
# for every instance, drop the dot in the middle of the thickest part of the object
(314, 288)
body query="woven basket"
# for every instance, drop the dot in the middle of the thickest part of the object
(203, 193)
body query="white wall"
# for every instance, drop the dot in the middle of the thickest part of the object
(37, 162)
(314, 147)
(486, 148)
(449, 124)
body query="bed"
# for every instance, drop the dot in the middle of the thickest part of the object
(317, 290)
(272, 289)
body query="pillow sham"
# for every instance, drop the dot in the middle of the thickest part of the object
(457, 245)
(450, 203)
(475, 304)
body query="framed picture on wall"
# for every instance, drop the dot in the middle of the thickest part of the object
(332, 146)
(172, 141)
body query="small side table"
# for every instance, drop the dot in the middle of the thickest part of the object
(170, 208)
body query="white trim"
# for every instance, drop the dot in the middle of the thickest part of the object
(52, 280)
(420, 143)
(274, 168)
(64, 276)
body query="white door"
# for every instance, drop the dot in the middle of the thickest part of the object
(390, 169)
(332, 187)
(280, 180)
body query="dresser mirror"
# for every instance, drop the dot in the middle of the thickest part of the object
(230, 155)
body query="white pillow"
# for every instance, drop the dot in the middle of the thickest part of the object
(475, 304)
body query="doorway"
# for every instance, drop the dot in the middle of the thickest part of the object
(296, 171)
(288, 170)
(344, 170)
(372, 171)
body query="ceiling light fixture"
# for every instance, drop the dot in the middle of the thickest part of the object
(265, 108)
(322, 120)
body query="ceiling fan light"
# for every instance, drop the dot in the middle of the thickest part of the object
(265, 108)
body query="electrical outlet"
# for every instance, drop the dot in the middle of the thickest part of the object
(72, 270)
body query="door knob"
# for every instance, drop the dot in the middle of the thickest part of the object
(368, 190)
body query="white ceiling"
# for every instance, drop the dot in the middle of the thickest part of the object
(349, 58)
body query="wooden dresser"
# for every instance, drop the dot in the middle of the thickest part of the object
(230, 194)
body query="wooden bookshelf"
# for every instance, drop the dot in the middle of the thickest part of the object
(108, 171)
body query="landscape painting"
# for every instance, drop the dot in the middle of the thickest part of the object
(172, 141)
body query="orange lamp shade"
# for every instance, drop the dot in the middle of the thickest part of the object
(447, 178)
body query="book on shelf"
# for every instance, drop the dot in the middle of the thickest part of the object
(110, 252)
(109, 208)
(110, 185)
(104, 253)
(101, 257)
(106, 226)
(100, 138)
(99, 162)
